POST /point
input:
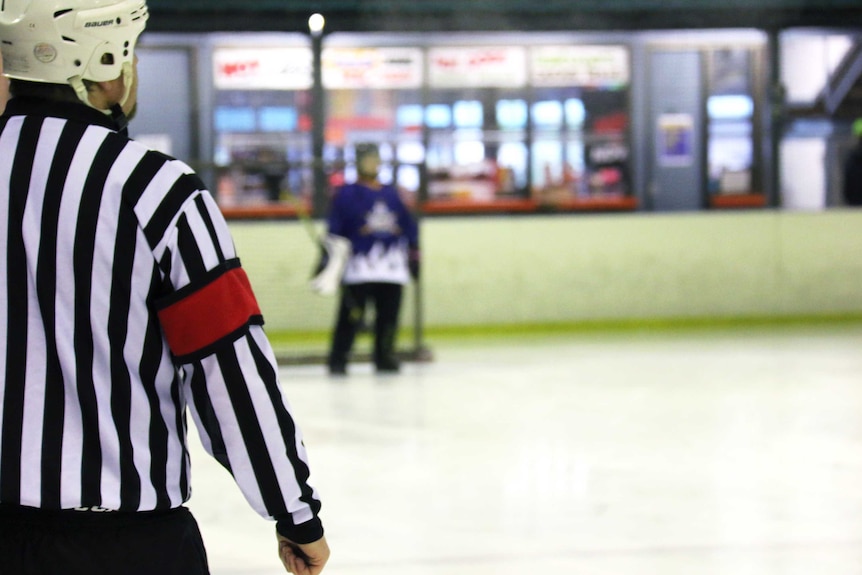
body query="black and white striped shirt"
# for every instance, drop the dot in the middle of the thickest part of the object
(122, 302)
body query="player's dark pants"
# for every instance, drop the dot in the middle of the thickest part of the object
(36, 542)
(386, 298)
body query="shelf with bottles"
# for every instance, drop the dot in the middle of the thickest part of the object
(582, 172)
(482, 169)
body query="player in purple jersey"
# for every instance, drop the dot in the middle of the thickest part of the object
(384, 240)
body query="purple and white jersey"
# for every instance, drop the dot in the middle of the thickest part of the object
(381, 231)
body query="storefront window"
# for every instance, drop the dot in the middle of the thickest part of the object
(580, 121)
(508, 128)
(262, 146)
(730, 117)
(476, 121)
(375, 95)
(477, 150)
(261, 119)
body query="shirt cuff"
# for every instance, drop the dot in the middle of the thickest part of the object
(307, 532)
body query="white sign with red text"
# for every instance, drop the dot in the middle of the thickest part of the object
(477, 67)
(262, 68)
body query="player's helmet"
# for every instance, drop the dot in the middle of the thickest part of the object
(364, 149)
(68, 41)
(367, 159)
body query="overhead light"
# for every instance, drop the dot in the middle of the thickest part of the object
(316, 22)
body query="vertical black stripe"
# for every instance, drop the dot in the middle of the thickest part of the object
(118, 329)
(166, 265)
(46, 288)
(151, 357)
(285, 424)
(185, 480)
(208, 221)
(170, 206)
(83, 256)
(16, 309)
(187, 245)
(249, 426)
(141, 176)
(206, 413)
(180, 431)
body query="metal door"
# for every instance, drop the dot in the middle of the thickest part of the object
(676, 120)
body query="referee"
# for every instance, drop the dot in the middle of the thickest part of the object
(122, 304)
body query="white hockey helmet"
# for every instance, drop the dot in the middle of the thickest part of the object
(68, 41)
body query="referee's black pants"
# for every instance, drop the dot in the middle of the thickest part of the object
(39, 542)
(386, 298)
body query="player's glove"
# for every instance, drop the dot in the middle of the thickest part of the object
(330, 268)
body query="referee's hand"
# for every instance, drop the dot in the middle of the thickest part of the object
(303, 559)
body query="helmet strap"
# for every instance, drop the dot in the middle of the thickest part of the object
(127, 82)
(77, 84)
(116, 113)
(121, 121)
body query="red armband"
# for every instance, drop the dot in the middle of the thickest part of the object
(210, 313)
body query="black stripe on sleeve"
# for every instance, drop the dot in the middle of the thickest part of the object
(187, 246)
(249, 428)
(286, 425)
(180, 192)
(208, 221)
(206, 413)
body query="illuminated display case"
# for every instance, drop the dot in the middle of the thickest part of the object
(476, 117)
(521, 128)
(580, 118)
(375, 95)
(262, 129)
(476, 128)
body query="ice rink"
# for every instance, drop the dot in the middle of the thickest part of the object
(735, 451)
